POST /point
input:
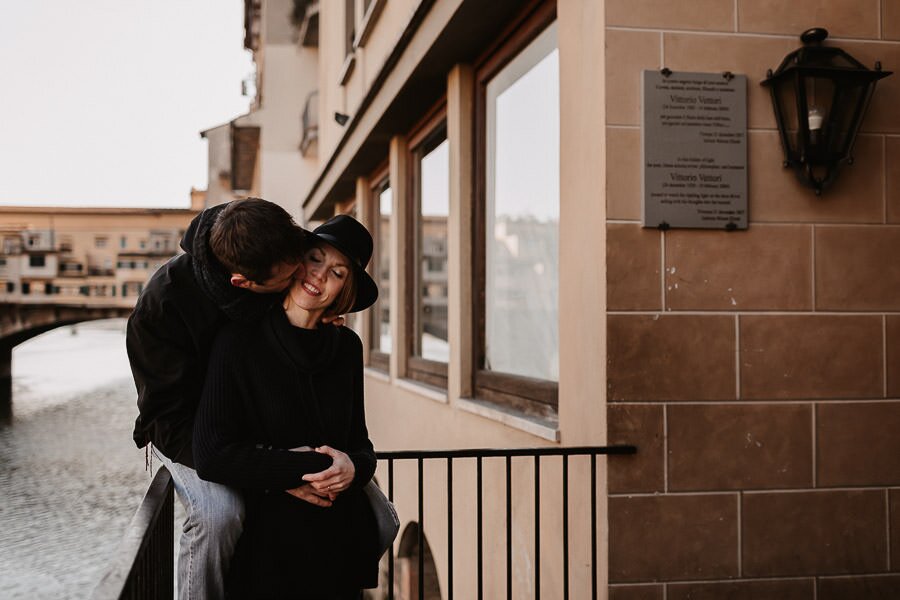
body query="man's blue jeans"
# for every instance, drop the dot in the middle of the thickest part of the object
(212, 525)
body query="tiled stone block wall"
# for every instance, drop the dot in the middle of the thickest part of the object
(757, 371)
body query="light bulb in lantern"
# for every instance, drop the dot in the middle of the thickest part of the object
(815, 119)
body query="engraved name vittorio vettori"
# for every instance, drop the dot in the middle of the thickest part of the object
(694, 150)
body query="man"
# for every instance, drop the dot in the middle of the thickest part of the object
(238, 258)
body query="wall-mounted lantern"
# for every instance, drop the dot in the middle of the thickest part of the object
(820, 95)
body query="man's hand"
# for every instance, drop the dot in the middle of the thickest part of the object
(309, 494)
(337, 477)
(336, 321)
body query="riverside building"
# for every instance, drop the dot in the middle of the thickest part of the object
(494, 150)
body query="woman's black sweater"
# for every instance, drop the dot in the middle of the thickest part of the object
(271, 387)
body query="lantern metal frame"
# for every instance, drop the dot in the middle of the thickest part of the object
(821, 142)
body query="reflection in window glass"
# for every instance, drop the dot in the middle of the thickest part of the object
(382, 338)
(434, 194)
(522, 214)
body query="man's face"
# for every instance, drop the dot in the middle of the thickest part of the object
(281, 277)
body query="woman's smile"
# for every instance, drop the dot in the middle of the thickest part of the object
(311, 289)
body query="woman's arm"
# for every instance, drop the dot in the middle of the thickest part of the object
(354, 468)
(223, 450)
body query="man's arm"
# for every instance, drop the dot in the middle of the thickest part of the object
(163, 360)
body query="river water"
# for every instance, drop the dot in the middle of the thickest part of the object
(70, 476)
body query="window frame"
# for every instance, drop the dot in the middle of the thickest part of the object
(533, 396)
(379, 178)
(431, 127)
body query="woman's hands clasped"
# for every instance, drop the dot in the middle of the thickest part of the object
(323, 487)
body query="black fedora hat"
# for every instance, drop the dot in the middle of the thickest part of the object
(354, 241)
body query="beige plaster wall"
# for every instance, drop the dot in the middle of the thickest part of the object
(405, 415)
(283, 175)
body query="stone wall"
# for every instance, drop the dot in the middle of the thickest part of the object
(757, 371)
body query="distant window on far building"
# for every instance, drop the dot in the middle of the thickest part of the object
(2, 262)
(26, 288)
(48, 288)
(10, 287)
(123, 242)
(100, 242)
(37, 260)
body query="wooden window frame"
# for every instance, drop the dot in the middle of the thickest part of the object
(378, 359)
(533, 396)
(431, 127)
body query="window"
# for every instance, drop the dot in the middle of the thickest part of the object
(100, 242)
(26, 287)
(430, 166)
(37, 260)
(2, 262)
(48, 288)
(349, 25)
(349, 34)
(518, 220)
(10, 287)
(123, 242)
(380, 340)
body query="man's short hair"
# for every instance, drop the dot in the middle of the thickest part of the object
(252, 235)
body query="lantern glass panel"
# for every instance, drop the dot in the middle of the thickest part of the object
(848, 104)
(820, 95)
(786, 98)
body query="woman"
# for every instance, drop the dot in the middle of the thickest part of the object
(286, 383)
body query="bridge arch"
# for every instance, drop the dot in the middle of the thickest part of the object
(406, 582)
(21, 322)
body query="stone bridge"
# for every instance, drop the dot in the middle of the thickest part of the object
(20, 322)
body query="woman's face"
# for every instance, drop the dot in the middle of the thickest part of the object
(326, 271)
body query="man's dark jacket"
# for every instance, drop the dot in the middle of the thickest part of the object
(170, 334)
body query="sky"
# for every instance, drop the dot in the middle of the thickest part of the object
(104, 100)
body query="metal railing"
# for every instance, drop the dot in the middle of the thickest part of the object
(449, 456)
(144, 562)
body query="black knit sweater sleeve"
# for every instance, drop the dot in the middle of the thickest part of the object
(223, 450)
(360, 449)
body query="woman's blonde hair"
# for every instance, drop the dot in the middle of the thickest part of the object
(347, 296)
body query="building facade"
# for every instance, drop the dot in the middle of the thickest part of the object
(494, 150)
(86, 256)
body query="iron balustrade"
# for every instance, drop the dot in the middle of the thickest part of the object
(479, 454)
(143, 567)
(144, 563)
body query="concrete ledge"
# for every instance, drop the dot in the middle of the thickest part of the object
(377, 374)
(426, 391)
(542, 428)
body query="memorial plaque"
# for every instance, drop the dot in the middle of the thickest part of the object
(695, 150)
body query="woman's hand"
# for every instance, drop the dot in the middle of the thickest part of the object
(309, 494)
(337, 477)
